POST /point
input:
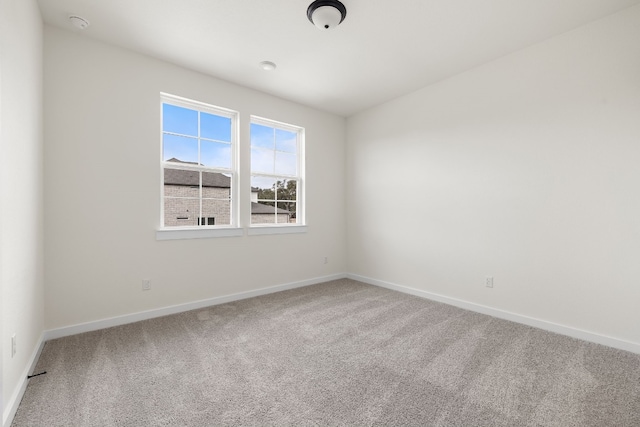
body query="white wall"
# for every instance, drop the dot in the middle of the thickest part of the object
(526, 169)
(21, 251)
(102, 189)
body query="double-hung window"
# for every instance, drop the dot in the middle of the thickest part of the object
(277, 173)
(199, 172)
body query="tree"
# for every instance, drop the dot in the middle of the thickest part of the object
(287, 192)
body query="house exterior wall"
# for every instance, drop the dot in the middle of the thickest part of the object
(268, 219)
(182, 205)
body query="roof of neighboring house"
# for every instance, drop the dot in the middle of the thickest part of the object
(259, 208)
(191, 178)
(174, 160)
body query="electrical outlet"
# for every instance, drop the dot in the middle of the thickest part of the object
(13, 345)
(146, 284)
(488, 282)
(326, 260)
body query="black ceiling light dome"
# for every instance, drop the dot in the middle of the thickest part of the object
(326, 14)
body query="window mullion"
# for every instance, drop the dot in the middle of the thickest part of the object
(200, 216)
(275, 188)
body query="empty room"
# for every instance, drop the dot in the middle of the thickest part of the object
(287, 212)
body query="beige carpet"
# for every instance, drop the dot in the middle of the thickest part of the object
(338, 353)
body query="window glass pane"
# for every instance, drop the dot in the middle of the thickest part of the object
(263, 212)
(216, 197)
(287, 195)
(286, 141)
(287, 189)
(181, 183)
(219, 209)
(179, 148)
(265, 186)
(286, 164)
(262, 136)
(286, 212)
(207, 221)
(262, 160)
(215, 127)
(180, 212)
(214, 180)
(179, 120)
(172, 190)
(215, 154)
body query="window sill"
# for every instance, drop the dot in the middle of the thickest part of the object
(257, 230)
(207, 233)
(197, 233)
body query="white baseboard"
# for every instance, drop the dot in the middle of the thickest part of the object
(18, 392)
(506, 315)
(165, 311)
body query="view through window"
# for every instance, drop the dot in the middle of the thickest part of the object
(276, 173)
(198, 161)
(200, 176)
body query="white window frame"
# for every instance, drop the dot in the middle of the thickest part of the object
(199, 231)
(284, 228)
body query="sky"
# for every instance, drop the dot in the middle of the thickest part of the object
(204, 138)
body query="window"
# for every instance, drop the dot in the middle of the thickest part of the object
(198, 164)
(276, 173)
(207, 221)
(200, 175)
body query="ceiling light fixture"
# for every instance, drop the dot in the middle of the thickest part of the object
(326, 14)
(78, 22)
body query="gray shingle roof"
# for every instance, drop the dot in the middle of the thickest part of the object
(191, 178)
(259, 208)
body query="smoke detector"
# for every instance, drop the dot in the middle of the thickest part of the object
(78, 22)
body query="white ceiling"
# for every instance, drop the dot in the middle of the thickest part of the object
(382, 50)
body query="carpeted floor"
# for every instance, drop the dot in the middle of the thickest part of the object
(338, 353)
